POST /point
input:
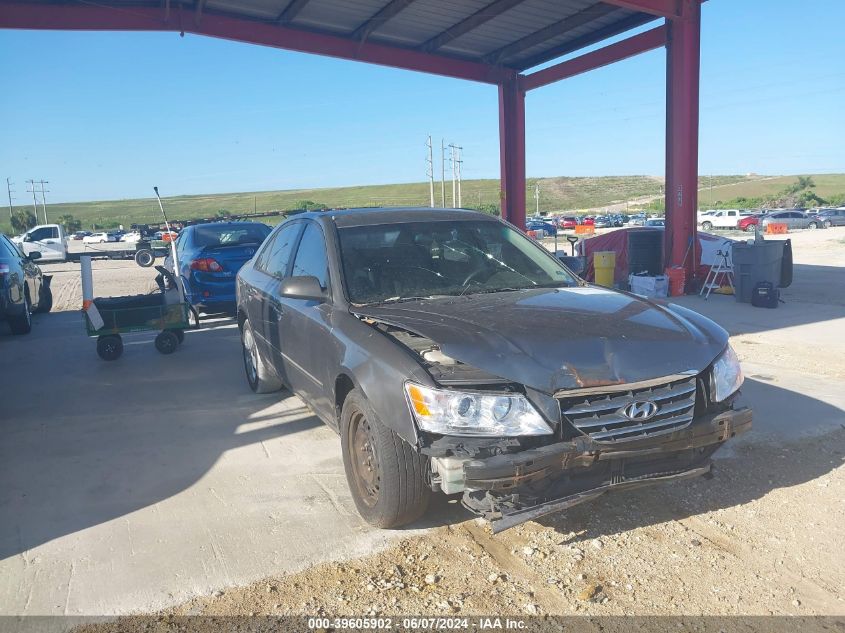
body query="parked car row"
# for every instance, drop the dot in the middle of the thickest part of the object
(747, 220)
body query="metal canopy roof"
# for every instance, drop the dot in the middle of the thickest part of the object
(509, 34)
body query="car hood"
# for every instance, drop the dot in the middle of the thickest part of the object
(562, 338)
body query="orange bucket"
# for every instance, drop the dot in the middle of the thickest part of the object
(677, 280)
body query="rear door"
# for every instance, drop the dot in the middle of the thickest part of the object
(264, 306)
(307, 348)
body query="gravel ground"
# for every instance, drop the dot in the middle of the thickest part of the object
(762, 538)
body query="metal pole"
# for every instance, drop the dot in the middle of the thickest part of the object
(177, 272)
(9, 191)
(44, 199)
(460, 178)
(443, 173)
(452, 155)
(430, 173)
(512, 151)
(34, 201)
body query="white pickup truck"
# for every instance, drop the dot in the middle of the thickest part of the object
(724, 219)
(48, 239)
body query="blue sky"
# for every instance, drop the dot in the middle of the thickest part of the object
(108, 115)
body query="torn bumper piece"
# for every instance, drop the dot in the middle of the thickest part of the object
(514, 488)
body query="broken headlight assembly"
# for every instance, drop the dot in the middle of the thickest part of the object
(473, 414)
(726, 377)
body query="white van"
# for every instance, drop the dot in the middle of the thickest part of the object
(48, 239)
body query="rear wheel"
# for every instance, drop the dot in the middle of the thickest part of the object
(386, 476)
(827, 224)
(109, 346)
(22, 324)
(813, 225)
(259, 375)
(145, 258)
(166, 342)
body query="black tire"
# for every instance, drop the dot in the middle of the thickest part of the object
(166, 342)
(109, 346)
(145, 258)
(827, 224)
(45, 301)
(259, 375)
(22, 323)
(386, 476)
(813, 225)
(750, 228)
(706, 225)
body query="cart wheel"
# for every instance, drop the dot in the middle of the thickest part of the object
(180, 335)
(109, 346)
(167, 342)
(144, 258)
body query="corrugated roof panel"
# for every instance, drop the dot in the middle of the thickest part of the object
(570, 36)
(264, 9)
(424, 19)
(524, 19)
(342, 16)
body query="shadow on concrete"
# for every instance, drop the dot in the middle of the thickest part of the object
(86, 441)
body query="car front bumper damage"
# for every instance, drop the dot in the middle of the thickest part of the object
(509, 489)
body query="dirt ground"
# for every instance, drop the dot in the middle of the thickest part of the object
(762, 538)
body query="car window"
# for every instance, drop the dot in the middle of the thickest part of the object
(435, 258)
(7, 249)
(44, 233)
(274, 259)
(311, 255)
(230, 235)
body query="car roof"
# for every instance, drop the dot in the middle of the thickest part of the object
(373, 216)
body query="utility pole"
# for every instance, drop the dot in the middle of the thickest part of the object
(31, 183)
(430, 172)
(9, 184)
(44, 198)
(454, 182)
(537, 198)
(460, 163)
(443, 173)
(456, 174)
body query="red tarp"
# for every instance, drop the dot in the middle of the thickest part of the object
(617, 241)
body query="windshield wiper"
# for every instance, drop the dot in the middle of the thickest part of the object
(400, 299)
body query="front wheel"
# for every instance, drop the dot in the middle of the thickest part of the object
(750, 228)
(166, 342)
(812, 225)
(144, 258)
(109, 346)
(386, 476)
(706, 225)
(827, 224)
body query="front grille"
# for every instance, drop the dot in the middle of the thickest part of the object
(601, 415)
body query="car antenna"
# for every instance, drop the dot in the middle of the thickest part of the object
(176, 269)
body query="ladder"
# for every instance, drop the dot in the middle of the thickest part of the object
(722, 267)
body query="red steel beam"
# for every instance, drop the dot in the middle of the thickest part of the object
(682, 90)
(660, 8)
(512, 151)
(18, 15)
(649, 40)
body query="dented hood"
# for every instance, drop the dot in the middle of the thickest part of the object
(562, 338)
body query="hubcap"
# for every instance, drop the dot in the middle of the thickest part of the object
(250, 355)
(365, 464)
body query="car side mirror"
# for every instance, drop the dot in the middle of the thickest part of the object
(33, 255)
(306, 287)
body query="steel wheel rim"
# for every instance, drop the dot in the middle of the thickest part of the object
(365, 464)
(250, 356)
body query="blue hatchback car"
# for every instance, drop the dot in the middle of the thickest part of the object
(210, 256)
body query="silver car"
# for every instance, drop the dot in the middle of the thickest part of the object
(793, 220)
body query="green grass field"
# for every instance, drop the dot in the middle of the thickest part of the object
(556, 194)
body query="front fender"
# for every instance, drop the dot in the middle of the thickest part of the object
(379, 367)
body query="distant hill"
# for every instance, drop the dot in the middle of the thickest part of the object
(556, 194)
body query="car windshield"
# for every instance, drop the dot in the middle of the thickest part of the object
(228, 235)
(394, 262)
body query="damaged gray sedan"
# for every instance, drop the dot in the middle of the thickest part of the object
(452, 353)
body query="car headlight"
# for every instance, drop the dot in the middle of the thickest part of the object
(476, 414)
(727, 375)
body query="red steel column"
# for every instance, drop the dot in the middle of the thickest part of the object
(682, 80)
(512, 151)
